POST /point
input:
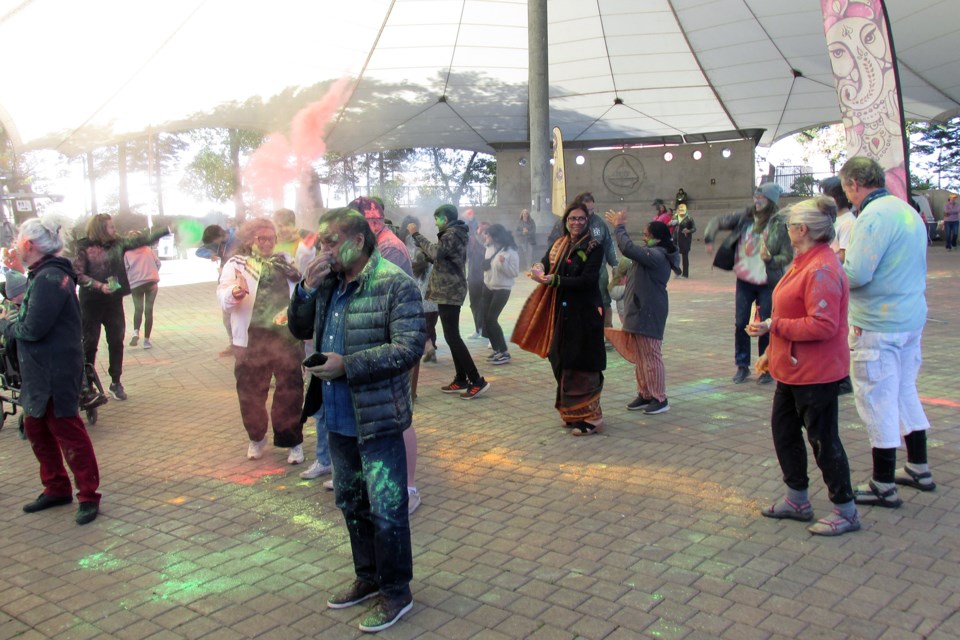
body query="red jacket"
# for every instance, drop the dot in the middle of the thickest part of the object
(808, 329)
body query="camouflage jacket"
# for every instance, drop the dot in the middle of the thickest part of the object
(448, 281)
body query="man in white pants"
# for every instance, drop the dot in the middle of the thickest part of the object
(886, 264)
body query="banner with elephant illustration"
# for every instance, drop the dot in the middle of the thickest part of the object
(868, 85)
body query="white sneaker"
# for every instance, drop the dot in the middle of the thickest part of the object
(328, 484)
(255, 449)
(414, 500)
(316, 470)
(296, 454)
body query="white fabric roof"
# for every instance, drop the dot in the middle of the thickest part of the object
(83, 73)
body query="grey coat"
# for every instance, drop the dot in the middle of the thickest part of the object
(385, 334)
(645, 300)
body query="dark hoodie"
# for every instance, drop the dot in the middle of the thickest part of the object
(448, 280)
(645, 299)
(47, 331)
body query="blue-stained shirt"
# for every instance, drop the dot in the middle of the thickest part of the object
(337, 409)
(886, 265)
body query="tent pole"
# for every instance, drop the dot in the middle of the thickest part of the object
(539, 108)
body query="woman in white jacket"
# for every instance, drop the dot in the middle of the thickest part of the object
(255, 287)
(501, 265)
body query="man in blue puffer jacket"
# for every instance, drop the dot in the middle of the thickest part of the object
(366, 316)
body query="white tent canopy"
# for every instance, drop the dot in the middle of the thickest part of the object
(79, 73)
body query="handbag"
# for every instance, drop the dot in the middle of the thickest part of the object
(533, 331)
(726, 253)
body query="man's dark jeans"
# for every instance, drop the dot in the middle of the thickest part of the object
(370, 481)
(747, 294)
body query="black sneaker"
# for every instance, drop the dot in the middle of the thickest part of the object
(44, 501)
(765, 378)
(354, 594)
(502, 358)
(741, 376)
(657, 406)
(385, 614)
(455, 387)
(477, 388)
(87, 512)
(639, 403)
(116, 390)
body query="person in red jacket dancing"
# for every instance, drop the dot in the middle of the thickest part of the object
(808, 356)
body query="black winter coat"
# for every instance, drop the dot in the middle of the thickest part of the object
(384, 338)
(47, 331)
(578, 332)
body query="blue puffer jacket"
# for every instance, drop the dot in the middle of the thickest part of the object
(385, 334)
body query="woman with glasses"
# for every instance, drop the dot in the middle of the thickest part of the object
(808, 356)
(255, 287)
(577, 354)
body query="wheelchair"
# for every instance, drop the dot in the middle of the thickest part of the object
(92, 395)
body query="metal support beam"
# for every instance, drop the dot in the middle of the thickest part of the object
(538, 105)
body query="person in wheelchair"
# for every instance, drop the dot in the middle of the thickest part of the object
(50, 354)
(12, 289)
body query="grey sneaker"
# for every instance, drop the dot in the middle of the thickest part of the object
(147, 344)
(639, 404)
(385, 614)
(116, 390)
(354, 594)
(316, 470)
(657, 406)
(413, 501)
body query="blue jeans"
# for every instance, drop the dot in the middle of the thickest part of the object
(370, 485)
(747, 294)
(323, 444)
(950, 229)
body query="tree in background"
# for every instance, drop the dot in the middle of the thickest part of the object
(827, 141)
(215, 171)
(455, 171)
(935, 148)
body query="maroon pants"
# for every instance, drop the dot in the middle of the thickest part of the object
(49, 436)
(266, 356)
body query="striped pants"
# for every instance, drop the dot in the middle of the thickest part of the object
(651, 374)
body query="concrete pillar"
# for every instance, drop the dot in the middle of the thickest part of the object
(539, 108)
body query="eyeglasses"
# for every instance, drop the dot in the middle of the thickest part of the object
(266, 238)
(576, 219)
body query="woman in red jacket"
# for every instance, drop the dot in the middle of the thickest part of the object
(808, 356)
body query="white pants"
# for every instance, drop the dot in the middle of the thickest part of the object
(885, 368)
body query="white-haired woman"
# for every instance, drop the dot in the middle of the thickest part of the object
(50, 354)
(255, 286)
(808, 356)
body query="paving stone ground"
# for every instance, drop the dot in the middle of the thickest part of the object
(649, 530)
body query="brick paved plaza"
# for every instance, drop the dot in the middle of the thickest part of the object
(649, 530)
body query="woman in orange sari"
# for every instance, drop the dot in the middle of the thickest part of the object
(577, 355)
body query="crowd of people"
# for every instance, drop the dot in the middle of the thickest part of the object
(831, 288)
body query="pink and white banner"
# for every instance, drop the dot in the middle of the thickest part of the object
(868, 86)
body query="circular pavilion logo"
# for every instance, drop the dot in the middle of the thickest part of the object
(623, 174)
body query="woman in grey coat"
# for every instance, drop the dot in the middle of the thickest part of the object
(645, 309)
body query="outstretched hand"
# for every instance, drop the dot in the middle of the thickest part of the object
(616, 218)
